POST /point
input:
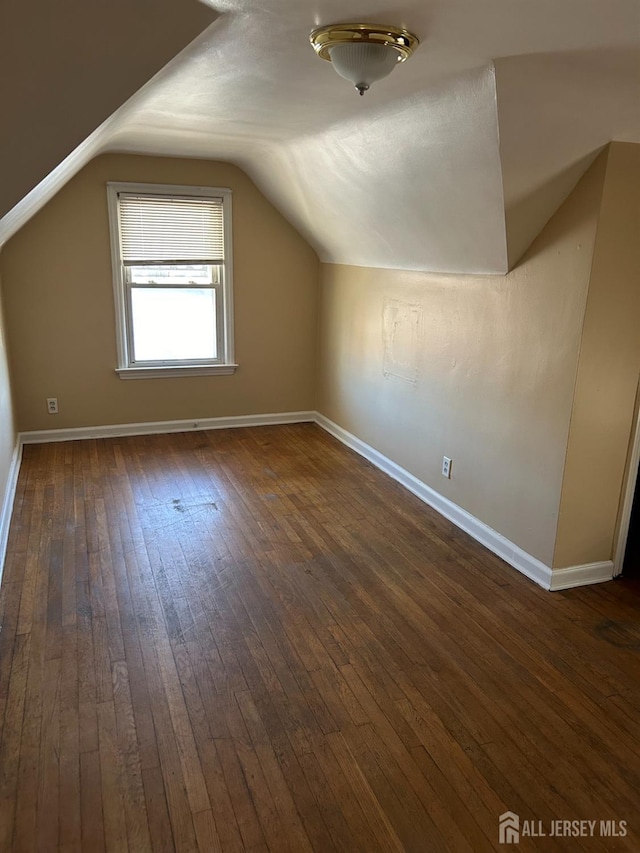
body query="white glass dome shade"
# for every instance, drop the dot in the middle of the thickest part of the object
(363, 63)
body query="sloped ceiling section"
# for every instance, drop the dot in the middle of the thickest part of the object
(556, 112)
(384, 193)
(66, 66)
(452, 164)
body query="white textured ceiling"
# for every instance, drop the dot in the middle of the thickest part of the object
(453, 163)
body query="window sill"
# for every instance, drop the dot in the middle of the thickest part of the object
(174, 372)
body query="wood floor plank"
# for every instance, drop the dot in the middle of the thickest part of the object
(206, 832)
(9, 607)
(240, 794)
(157, 810)
(91, 802)
(261, 795)
(276, 782)
(112, 778)
(131, 780)
(379, 822)
(70, 798)
(252, 640)
(11, 737)
(361, 833)
(224, 827)
(175, 790)
(48, 807)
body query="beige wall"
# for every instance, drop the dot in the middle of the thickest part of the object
(603, 409)
(59, 308)
(481, 369)
(7, 427)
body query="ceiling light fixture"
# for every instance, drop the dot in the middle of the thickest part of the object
(363, 53)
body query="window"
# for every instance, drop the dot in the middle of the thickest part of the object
(171, 252)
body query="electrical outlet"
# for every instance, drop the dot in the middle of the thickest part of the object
(52, 405)
(446, 467)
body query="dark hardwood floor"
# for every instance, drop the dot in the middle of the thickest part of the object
(253, 640)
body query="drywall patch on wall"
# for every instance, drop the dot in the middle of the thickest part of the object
(403, 332)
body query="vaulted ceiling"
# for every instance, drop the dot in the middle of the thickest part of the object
(453, 163)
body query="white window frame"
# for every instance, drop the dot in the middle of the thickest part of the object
(127, 368)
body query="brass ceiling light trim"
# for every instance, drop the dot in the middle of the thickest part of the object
(325, 37)
(363, 53)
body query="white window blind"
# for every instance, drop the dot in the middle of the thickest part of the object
(164, 229)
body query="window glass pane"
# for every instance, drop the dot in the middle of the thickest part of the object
(173, 274)
(173, 324)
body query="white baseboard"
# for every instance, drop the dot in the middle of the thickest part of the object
(582, 575)
(156, 427)
(545, 576)
(8, 501)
